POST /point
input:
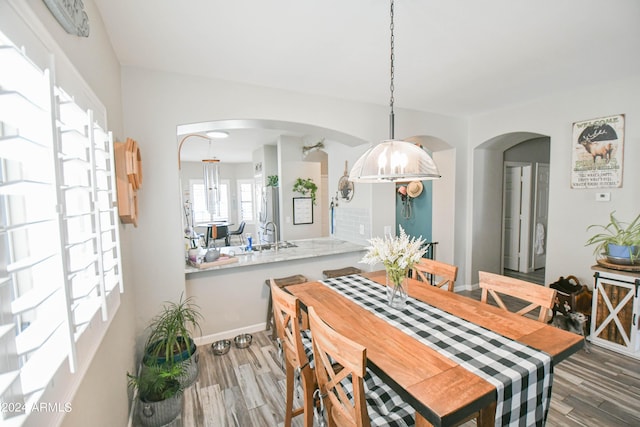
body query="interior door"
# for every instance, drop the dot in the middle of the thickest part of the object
(511, 220)
(517, 217)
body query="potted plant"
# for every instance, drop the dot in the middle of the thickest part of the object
(305, 186)
(159, 393)
(170, 340)
(618, 241)
(272, 181)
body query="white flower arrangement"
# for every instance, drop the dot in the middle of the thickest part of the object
(397, 253)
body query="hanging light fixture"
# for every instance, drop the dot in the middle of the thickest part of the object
(211, 174)
(393, 160)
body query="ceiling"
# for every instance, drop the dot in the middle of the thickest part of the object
(454, 57)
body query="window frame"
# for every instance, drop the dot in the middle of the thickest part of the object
(240, 201)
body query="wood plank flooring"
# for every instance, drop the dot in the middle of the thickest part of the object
(536, 276)
(245, 388)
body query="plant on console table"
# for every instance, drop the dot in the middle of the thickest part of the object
(398, 254)
(618, 241)
(306, 186)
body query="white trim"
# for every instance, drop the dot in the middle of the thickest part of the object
(208, 339)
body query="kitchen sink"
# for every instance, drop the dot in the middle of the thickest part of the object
(270, 246)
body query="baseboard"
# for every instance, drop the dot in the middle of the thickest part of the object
(466, 287)
(208, 339)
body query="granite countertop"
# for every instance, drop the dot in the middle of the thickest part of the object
(306, 248)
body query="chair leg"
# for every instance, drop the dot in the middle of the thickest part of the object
(270, 324)
(307, 384)
(289, 395)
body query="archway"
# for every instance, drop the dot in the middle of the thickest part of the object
(487, 201)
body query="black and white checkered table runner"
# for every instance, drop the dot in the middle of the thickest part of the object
(522, 375)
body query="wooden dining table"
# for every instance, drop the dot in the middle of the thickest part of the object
(442, 392)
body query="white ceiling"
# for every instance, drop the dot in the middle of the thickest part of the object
(454, 57)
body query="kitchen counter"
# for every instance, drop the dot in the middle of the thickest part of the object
(307, 248)
(233, 298)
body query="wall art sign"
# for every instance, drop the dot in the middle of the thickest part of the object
(71, 16)
(597, 157)
(302, 210)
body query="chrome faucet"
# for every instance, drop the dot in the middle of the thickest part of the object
(275, 233)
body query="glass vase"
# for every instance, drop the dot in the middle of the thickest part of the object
(397, 287)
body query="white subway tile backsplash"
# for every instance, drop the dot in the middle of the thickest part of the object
(349, 222)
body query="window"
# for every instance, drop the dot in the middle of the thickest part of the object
(245, 200)
(60, 272)
(200, 212)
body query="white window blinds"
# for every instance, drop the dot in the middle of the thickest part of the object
(60, 272)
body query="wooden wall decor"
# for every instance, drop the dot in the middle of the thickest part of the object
(128, 179)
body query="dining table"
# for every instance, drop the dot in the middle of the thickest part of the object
(442, 386)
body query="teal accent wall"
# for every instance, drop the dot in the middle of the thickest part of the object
(419, 224)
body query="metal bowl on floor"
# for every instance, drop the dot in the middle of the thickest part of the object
(243, 340)
(221, 347)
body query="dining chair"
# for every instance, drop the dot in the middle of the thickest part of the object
(429, 270)
(216, 232)
(351, 394)
(538, 296)
(281, 282)
(298, 355)
(237, 232)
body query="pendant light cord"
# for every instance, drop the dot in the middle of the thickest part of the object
(391, 87)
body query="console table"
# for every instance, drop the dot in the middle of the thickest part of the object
(615, 314)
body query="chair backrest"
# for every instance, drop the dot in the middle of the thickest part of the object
(286, 316)
(336, 357)
(219, 231)
(240, 229)
(537, 295)
(430, 271)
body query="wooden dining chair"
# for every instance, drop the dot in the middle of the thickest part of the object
(436, 273)
(538, 296)
(351, 394)
(286, 316)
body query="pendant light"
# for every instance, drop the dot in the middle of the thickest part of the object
(393, 160)
(211, 175)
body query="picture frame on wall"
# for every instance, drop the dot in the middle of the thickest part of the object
(597, 152)
(302, 210)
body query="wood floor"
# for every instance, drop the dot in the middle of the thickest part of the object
(245, 388)
(536, 276)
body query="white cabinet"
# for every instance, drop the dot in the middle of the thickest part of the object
(616, 311)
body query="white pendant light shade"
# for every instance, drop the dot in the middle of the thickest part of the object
(394, 161)
(211, 171)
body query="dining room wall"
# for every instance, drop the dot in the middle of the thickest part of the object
(156, 102)
(571, 211)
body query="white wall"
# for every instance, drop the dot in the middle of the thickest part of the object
(155, 103)
(443, 228)
(570, 211)
(290, 168)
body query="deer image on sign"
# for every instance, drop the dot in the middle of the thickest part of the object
(598, 152)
